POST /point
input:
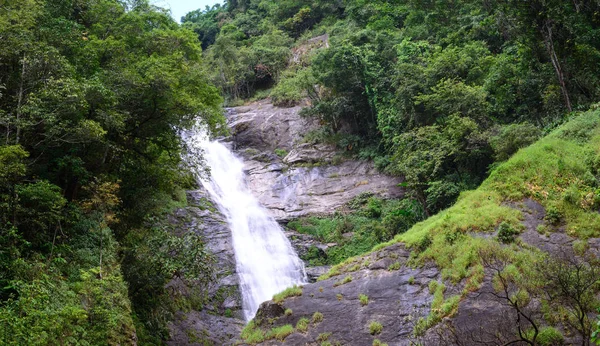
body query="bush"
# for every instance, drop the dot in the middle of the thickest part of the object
(513, 137)
(553, 215)
(506, 233)
(548, 336)
(292, 88)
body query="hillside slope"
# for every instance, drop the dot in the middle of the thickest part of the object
(514, 260)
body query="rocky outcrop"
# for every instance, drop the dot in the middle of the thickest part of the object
(304, 179)
(397, 296)
(220, 320)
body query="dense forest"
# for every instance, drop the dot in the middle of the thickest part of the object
(91, 96)
(436, 91)
(94, 92)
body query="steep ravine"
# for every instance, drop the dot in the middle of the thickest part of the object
(304, 182)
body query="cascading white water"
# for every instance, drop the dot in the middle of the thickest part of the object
(266, 261)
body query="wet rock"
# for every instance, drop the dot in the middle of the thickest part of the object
(221, 317)
(298, 191)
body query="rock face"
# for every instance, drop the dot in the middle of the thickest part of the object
(397, 298)
(220, 320)
(305, 181)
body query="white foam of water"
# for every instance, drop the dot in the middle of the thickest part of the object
(266, 261)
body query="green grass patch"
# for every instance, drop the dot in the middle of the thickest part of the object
(375, 328)
(288, 292)
(317, 317)
(363, 299)
(302, 325)
(280, 333)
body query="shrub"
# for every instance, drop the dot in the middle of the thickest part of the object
(548, 336)
(375, 328)
(506, 233)
(512, 138)
(553, 215)
(288, 312)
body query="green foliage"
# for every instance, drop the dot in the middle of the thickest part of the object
(323, 337)
(302, 325)
(513, 137)
(93, 95)
(506, 233)
(281, 152)
(288, 312)
(288, 292)
(364, 299)
(317, 317)
(548, 336)
(375, 328)
(293, 87)
(280, 333)
(371, 221)
(596, 329)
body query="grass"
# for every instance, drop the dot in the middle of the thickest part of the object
(281, 152)
(378, 342)
(280, 333)
(346, 280)
(323, 337)
(302, 325)
(363, 299)
(288, 312)
(375, 328)
(317, 317)
(252, 334)
(288, 292)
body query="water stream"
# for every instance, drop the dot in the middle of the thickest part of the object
(266, 261)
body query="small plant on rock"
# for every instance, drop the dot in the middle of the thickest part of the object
(288, 292)
(375, 328)
(323, 337)
(364, 299)
(394, 266)
(302, 325)
(288, 312)
(317, 317)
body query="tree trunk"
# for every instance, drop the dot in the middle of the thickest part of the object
(20, 100)
(549, 43)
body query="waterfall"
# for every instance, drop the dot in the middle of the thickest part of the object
(266, 262)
